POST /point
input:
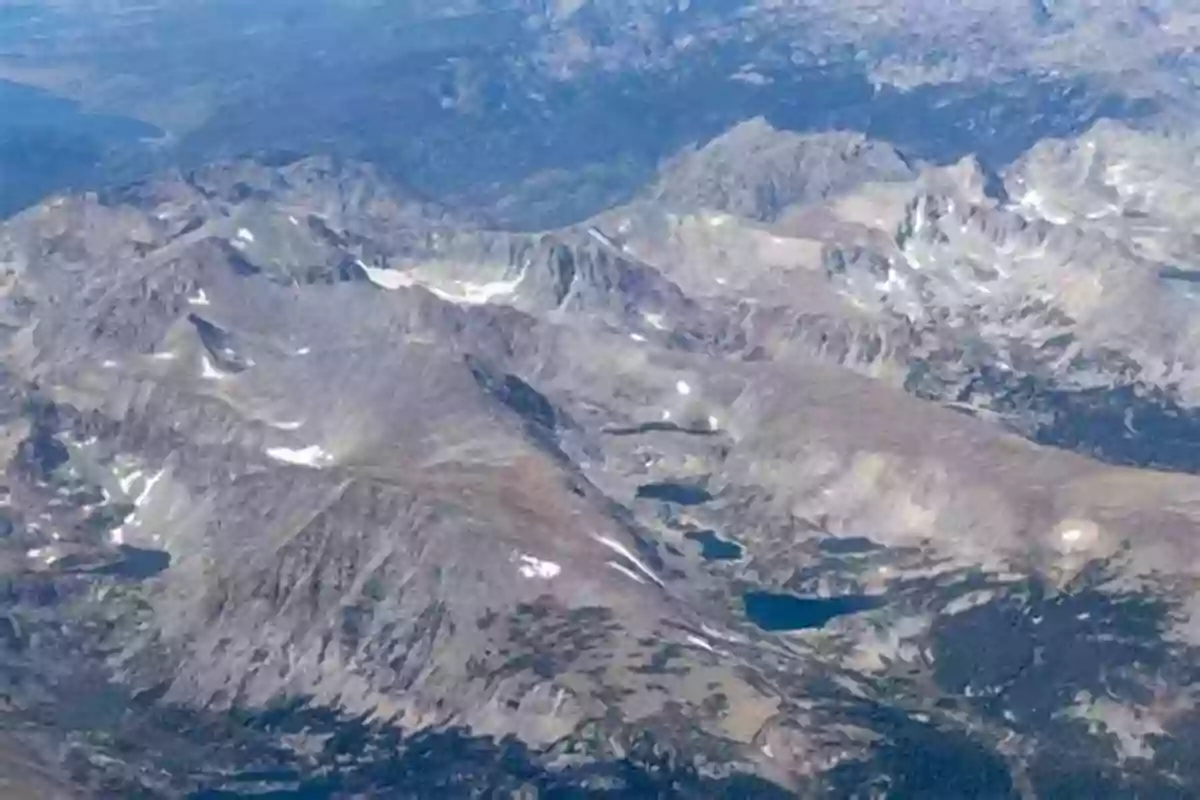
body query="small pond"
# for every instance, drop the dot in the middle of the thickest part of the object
(137, 563)
(713, 547)
(680, 493)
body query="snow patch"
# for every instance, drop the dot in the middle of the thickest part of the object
(390, 279)
(200, 298)
(725, 637)
(311, 456)
(41, 554)
(1076, 535)
(599, 236)
(683, 388)
(696, 640)
(127, 482)
(637, 337)
(1107, 211)
(148, 488)
(475, 294)
(626, 571)
(466, 293)
(1034, 201)
(290, 425)
(537, 568)
(624, 551)
(303, 351)
(919, 217)
(713, 423)
(655, 321)
(895, 282)
(245, 235)
(209, 372)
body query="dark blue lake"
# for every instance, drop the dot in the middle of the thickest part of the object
(680, 493)
(786, 612)
(138, 563)
(713, 547)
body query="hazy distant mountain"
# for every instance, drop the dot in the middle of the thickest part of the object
(545, 113)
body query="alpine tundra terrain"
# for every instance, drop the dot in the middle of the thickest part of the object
(589, 399)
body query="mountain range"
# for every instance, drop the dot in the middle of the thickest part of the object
(772, 465)
(578, 399)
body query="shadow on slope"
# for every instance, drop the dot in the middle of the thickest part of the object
(1128, 425)
(48, 144)
(361, 760)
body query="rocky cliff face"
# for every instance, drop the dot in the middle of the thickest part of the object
(681, 497)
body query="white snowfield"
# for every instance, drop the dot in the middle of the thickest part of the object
(466, 292)
(312, 456)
